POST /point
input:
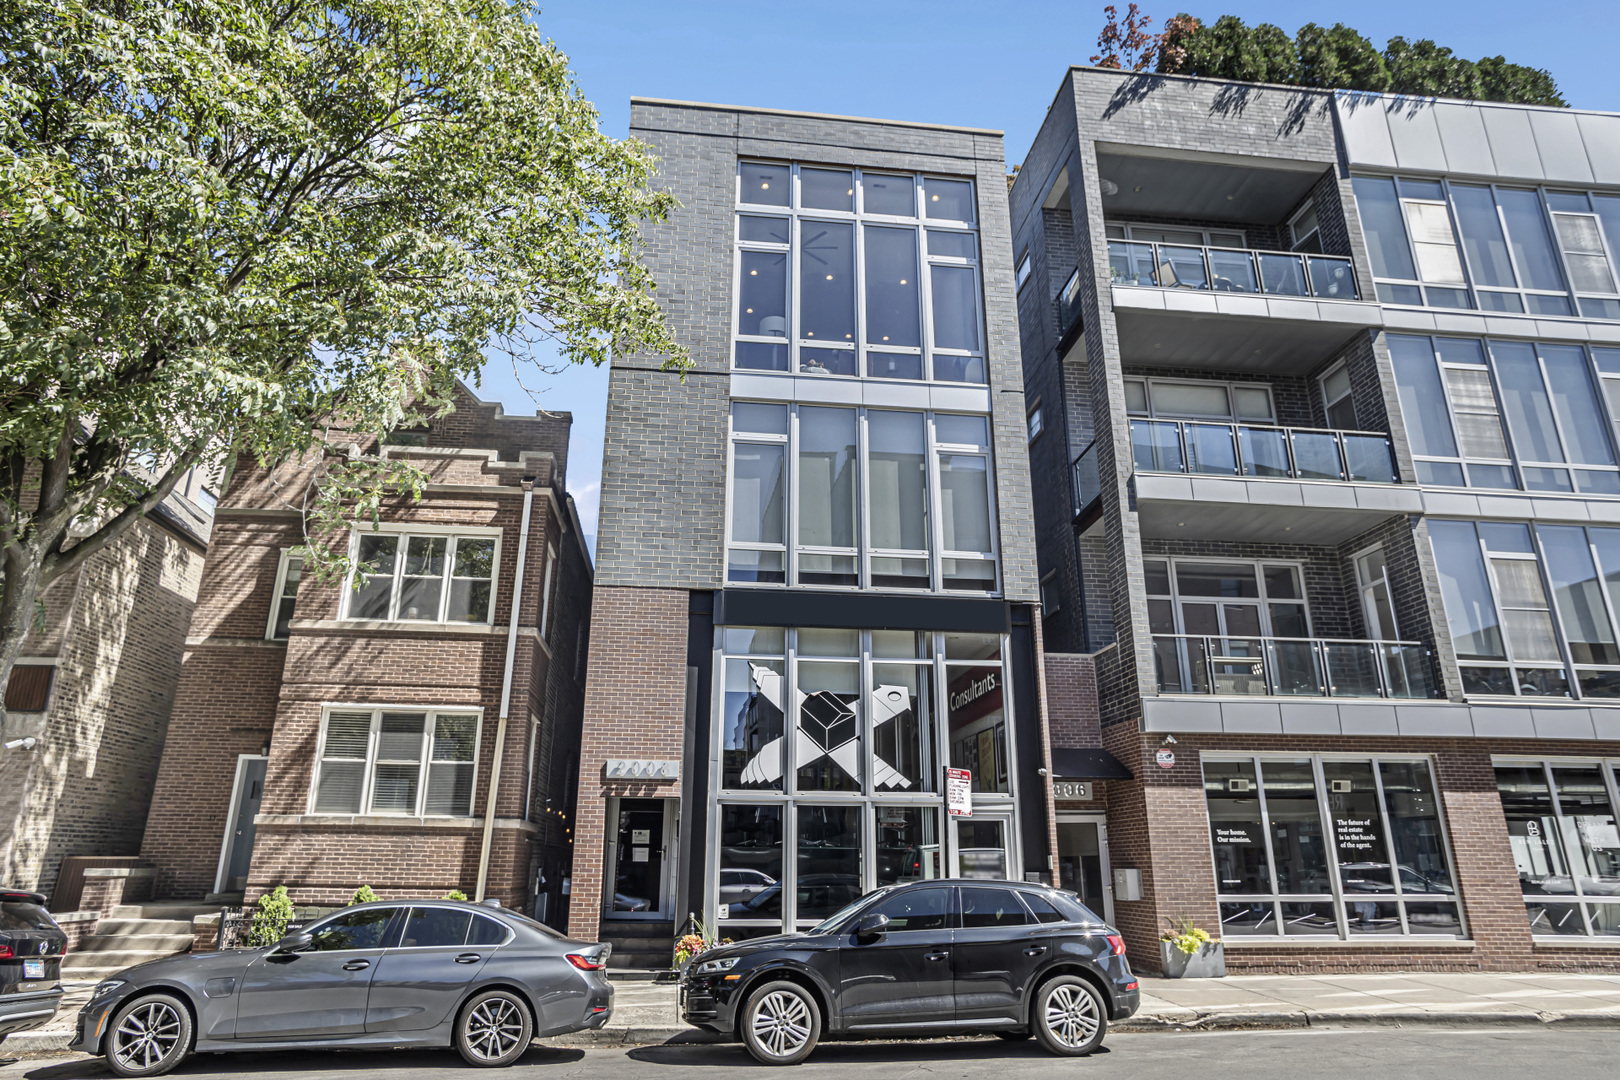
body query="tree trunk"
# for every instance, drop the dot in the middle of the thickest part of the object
(18, 592)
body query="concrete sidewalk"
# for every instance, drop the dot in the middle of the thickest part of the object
(645, 1013)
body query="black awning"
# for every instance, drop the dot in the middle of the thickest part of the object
(1087, 763)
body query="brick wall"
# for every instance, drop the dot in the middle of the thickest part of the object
(635, 706)
(1071, 700)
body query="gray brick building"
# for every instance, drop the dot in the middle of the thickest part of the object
(1326, 503)
(816, 582)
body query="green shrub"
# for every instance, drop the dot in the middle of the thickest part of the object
(270, 918)
(363, 895)
(455, 894)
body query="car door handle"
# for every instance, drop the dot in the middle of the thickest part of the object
(1035, 950)
(936, 955)
(357, 965)
(468, 958)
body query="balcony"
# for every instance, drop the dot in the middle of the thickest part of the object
(1233, 307)
(1292, 667)
(1213, 481)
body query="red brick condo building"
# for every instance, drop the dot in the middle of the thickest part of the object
(1323, 407)
(416, 734)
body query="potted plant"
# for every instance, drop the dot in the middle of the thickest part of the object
(690, 944)
(1186, 952)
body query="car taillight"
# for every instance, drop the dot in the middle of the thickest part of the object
(585, 963)
(1133, 985)
(1117, 944)
(6, 953)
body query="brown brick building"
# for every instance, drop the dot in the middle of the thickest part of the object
(1327, 507)
(329, 736)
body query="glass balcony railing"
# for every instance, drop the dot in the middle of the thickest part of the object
(1292, 667)
(1087, 483)
(1213, 449)
(1235, 270)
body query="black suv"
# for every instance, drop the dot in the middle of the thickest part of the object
(31, 948)
(931, 957)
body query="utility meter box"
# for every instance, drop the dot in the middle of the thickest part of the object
(1127, 884)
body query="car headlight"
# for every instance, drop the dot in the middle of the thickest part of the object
(104, 988)
(714, 967)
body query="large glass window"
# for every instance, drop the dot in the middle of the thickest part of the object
(1328, 847)
(853, 768)
(412, 577)
(373, 762)
(881, 499)
(1522, 250)
(1556, 436)
(839, 275)
(1566, 847)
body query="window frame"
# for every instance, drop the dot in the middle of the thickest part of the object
(370, 762)
(284, 561)
(549, 571)
(1262, 598)
(859, 218)
(1148, 382)
(405, 531)
(1348, 395)
(1034, 422)
(1609, 768)
(867, 796)
(1126, 231)
(1336, 895)
(865, 551)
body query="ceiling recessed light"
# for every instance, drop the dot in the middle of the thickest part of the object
(936, 198)
(902, 281)
(1229, 198)
(829, 277)
(1138, 187)
(1181, 524)
(750, 311)
(810, 333)
(753, 273)
(764, 187)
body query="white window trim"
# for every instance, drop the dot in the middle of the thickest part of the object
(549, 570)
(921, 224)
(403, 530)
(426, 761)
(1025, 271)
(863, 549)
(1034, 422)
(282, 565)
(1296, 238)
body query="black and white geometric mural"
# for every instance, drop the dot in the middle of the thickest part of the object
(828, 728)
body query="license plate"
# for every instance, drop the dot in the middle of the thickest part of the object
(33, 969)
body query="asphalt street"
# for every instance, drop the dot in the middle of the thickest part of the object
(1474, 1053)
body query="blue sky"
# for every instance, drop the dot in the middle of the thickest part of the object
(994, 65)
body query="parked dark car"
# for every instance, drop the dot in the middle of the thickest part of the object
(931, 957)
(31, 948)
(436, 973)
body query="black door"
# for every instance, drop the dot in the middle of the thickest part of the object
(995, 950)
(904, 977)
(638, 874)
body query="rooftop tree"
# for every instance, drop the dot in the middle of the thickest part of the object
(229, 225)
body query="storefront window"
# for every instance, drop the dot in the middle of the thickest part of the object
(1328, 847)
(1566, 847)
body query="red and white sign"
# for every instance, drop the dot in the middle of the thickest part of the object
(1166, 758)
(959, 792)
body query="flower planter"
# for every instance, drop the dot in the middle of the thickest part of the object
(1209, 962)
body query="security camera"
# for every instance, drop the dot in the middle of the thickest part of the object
(22, 744)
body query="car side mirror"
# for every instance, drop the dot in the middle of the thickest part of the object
(871, 927)
(295, 942)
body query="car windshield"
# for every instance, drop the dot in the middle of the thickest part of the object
(826, 925)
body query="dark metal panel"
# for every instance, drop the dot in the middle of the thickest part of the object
(859, 611)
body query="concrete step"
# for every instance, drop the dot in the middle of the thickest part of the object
(156, 943)
(142, 927)
(166, 909)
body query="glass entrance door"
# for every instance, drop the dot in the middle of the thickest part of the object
(1083, 861)
(984, 847)
(640, 859)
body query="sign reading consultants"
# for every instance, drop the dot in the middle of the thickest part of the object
(959, 792)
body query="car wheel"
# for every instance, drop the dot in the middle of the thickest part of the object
(1069, 1017)
(494, 1029)
(781, 1024)
(149, 1036)
(1015, 1035)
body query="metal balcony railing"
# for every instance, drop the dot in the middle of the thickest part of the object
(1214, 449)
(1236, 270)
(1292, 667)
(1087, 482)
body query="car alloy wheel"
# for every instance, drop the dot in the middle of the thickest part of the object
(1069, 1016)
(149, 1036)
(781, 1024)
(494, 1029)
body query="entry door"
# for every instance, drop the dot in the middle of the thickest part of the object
(1083, 861)
(247, 793)
(640, 859)
(984, 847)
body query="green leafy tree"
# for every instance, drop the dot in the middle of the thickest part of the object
(257, 227)
(1230, 49)
(1425, 69)
(270, 918)
(363, 895)
(1502, 81)
(1338, 59)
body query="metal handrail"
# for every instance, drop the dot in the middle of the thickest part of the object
(1347, 466)
(1294, 666)
(1086, 479)
(1238, 270)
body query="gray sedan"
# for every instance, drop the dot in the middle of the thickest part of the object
(437, 973)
